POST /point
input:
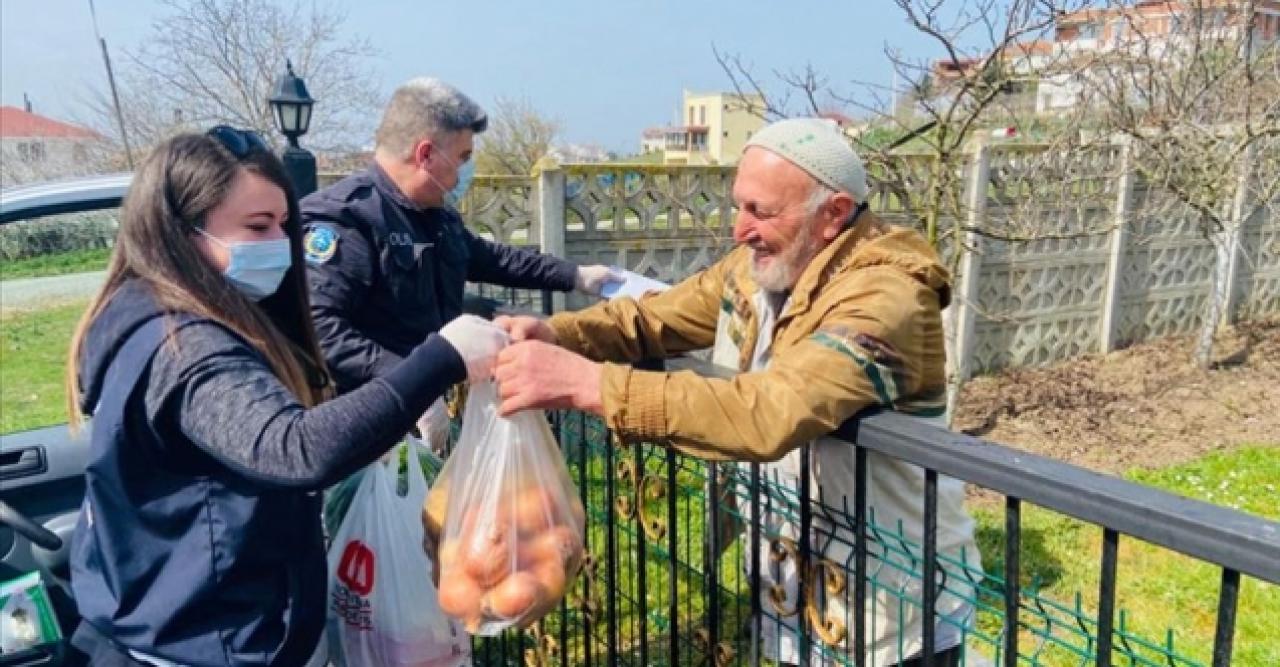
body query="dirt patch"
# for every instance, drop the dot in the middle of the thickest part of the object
(1148, 406)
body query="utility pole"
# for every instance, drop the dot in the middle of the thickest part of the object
(111, 80)
(893, 91)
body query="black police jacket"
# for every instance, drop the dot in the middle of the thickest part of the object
(385, 272)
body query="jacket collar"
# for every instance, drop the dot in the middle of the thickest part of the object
(832, 259)
(388, 188)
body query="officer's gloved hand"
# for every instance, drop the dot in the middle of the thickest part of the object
(591, 279)
(478, 342)
(434, 426)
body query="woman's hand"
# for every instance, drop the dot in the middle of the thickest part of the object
(478, 342)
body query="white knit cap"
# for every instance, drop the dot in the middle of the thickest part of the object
(819, 147)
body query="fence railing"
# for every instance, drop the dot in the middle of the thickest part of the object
(1076, 254)
(665, 582)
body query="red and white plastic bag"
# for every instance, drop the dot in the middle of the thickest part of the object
(383, 607)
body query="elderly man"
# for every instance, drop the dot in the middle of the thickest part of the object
(388, 255)
(825, 310)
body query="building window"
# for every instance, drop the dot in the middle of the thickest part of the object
(702, 115)
(31, 152)
(1117, 32)
(1089, 31)
(726, 134)
(691, 115)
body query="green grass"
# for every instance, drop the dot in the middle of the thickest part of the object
(33, 355)
(56, 264)
(1157, 588)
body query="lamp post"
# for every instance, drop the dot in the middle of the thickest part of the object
(292, 106)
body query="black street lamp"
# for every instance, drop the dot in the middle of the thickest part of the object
(292, 106)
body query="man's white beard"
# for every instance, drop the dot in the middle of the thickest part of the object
(786, 267)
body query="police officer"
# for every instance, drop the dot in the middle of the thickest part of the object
(388, 255)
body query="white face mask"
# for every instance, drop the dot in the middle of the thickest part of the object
(256, 267)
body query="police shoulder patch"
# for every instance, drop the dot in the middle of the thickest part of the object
(320, 244)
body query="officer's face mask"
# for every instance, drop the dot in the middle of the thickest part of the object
(466, 171)
(256, 268)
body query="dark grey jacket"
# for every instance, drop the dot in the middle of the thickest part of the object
(200, 539)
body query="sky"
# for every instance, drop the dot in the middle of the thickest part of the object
(605, 69)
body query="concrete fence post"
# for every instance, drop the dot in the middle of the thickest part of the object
(548, 220)
(1116, 251)
(971, 262)
(964, 298)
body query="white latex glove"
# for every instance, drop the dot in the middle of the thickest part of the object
(478, 341)
(591, 279)
(434, 426)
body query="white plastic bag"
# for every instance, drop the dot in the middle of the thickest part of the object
(382, 605)
(506, 517)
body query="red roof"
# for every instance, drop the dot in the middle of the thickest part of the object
(15, 122)
(841, 119)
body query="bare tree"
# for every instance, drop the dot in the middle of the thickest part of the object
(1196, 91)
(987, 59)
(989, 63)
(217, 61)
(518, 136)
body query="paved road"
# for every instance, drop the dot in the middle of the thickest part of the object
(24, 293)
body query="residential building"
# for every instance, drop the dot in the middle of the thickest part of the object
(653, 140)
(1167, 21)
(35, 147)
(714, 129)
(1056, 70)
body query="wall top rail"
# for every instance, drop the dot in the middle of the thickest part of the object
(1223, 536)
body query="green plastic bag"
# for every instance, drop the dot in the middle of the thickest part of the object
(338, 497)
(27, 620)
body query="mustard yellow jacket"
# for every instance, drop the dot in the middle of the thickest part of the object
(863, 327)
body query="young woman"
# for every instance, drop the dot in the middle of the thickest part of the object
(199, 542)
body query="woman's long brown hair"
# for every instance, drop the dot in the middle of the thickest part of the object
(174, 189)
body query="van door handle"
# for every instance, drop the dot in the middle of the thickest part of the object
(23, 462)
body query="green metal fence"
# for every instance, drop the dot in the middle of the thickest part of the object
(667, 583)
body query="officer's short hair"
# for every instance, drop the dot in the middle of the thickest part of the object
(426, 107)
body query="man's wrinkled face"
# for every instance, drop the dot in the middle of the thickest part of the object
(774, 218)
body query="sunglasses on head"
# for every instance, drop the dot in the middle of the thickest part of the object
(240, 142)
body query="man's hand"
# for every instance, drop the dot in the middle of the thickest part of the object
(534, 374)
(523, 327)
(591, 279)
